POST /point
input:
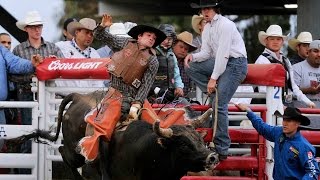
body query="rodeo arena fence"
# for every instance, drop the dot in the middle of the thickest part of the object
(250, 153)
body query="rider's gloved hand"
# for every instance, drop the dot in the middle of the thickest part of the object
(134, 109)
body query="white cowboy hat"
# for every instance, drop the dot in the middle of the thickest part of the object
(273, 30)
(195, 22)
(32, 18)
(118, 29)
(303, 37)
(187, 38)
(84, 23)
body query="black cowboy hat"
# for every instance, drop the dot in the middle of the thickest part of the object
(206, 4)
(291, 113)
(139, 29)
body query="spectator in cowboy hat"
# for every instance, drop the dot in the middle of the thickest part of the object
(300, 46)
(294, 156)
(307, 73)
(221, 65)
(80, 47)
(181, 47)
(35, 44)
(273, 39)
(198, 23)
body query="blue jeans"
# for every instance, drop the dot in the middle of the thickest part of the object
(227, 84)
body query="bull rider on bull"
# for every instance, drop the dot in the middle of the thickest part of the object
(132, 69)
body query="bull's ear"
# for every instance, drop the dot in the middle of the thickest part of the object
(162, 142)
(203, 133)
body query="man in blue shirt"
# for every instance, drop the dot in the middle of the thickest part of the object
(9, 63)
(293, 154)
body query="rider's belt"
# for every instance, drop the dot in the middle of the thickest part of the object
(161, 78)
(130, 64)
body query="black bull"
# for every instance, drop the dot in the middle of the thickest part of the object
(141, 152)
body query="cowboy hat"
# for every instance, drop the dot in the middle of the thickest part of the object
(118, 29)
(139, 29)
(303, 37)
(187, 38)
(32, 18)
(206, 4)
(273, 30)
(195, 22)
(84, 23)
(291, 113)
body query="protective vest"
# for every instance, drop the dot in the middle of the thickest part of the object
(165, 75)
(130, 56)
(288, 84)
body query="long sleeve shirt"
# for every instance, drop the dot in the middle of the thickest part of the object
(9, 63)
(117, 43)
(295, 89)
(220, 40)
(294, 156)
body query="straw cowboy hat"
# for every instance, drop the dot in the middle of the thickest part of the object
(139, 29)
(187, 38)
(273, 30)
(118, 29)
(85, 23)
(206, 4)
(32, 18)
(195, 23)
(303, 37)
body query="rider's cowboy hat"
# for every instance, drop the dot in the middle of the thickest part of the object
(303, 37)
(273, 30)
(32, 18)
(196, 19)
(206, 4)
(187, 38)
(84, 23)
(139, 29)
(291, 113)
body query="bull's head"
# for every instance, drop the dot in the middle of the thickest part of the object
(186, 147)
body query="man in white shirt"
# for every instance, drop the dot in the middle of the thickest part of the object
(300, 46)
(79, 47)
(307, 74)
(222, 41)
(273, 40)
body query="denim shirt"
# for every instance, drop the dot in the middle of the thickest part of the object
(294, 156)
(9, 63)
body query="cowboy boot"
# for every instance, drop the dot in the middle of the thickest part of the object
(103, 121)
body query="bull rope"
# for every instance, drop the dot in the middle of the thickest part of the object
(214, 125)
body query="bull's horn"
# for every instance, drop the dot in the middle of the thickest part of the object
(200, 119)
(163, 132)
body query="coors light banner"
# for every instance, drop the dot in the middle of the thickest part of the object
(53, 68)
